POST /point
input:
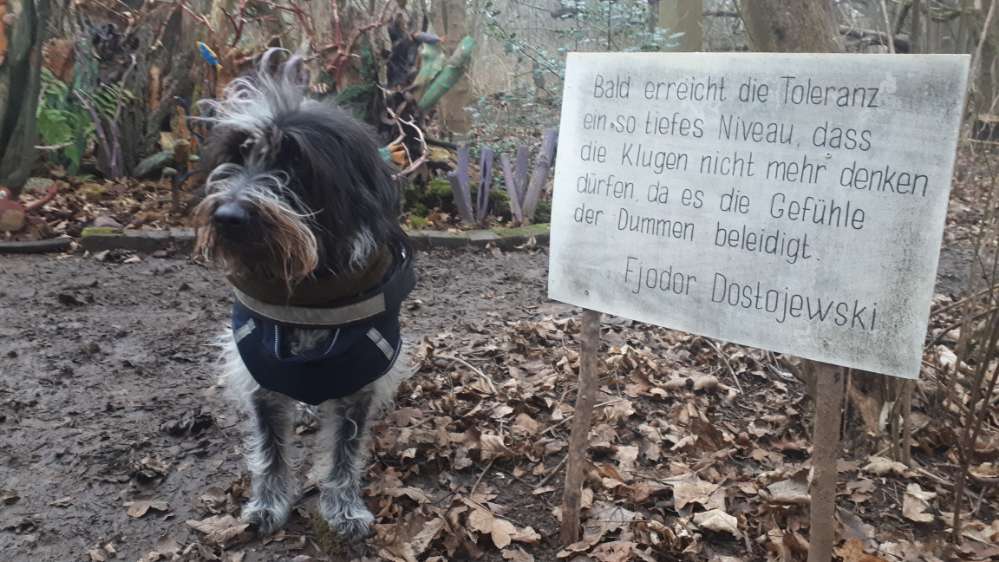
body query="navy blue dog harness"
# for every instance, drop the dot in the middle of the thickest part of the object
(362, 345)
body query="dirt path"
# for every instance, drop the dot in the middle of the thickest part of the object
(106, 389)
(107, 396)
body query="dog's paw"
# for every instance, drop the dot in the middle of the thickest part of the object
(266, 519)
(349, 518)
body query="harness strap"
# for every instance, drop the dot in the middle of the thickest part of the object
(322, 317)
(386, 297)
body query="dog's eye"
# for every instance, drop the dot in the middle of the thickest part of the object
(246, 148)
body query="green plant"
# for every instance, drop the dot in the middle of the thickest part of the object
(64, 127)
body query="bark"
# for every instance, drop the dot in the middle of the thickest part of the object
(163, 47)
(684, 16)
(175, 63)
(452, 23)
(798, 27)
(985, 77)
(828, 409)
(916, 33)
(20, 82)
(589, 381)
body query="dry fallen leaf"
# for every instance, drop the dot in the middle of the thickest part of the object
(62, 502)
(689, 488)
(500, 530)
(221, 529)
(166, 549)
(626, 457)
(605, 518)
(718, 521)
(138, 508)
(527, 535)
(794, 490)
(525, 425)
(882, 467)
(517, 554)
(430, 530)
(915, 504)
(614, 551)
(946, 358)
(853, 551)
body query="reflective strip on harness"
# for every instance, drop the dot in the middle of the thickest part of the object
(302, 316)
(375, 336)
(244, 330)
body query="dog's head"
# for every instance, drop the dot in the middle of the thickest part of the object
(295, 187)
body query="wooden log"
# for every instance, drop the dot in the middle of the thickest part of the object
(826, 444)
(581, 422)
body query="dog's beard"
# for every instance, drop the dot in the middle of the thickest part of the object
(283, 246)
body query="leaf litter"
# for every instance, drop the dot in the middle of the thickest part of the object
(689, 460)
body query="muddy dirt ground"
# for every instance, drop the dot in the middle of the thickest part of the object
(108, 396)
(107, 388)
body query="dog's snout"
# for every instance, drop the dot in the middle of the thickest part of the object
(231, 215)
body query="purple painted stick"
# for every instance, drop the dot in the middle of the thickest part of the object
(521, 172)
(460, 187)
(512, 189)
(485, 183)
(540, 175)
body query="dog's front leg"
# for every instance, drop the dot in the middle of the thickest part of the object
(273, 492)
(345, 432)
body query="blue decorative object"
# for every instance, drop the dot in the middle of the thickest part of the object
(209, 55)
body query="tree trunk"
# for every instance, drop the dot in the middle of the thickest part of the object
(451, 22)
(22, 28)
(174, 63)
(986, 78)
(686, 16)
(916, 33)
(798, 27)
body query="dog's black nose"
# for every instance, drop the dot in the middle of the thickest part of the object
(231, 215)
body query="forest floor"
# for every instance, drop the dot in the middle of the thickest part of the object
(116, 443)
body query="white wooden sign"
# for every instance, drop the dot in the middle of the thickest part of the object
(792, 202)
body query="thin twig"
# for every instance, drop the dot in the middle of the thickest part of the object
(958, 303)
(728, 363)
(474, 369)
(553, 472)
(198, 17)
(471, 492)
(569, 417)
(888, 28)
(414, 164)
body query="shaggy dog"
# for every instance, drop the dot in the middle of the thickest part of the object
(301, 212)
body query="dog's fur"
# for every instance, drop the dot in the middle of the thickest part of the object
(318, 201)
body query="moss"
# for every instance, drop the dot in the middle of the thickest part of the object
(100, 231)
(543, 212)
(527, 231)
(420, 200)
(418, 222)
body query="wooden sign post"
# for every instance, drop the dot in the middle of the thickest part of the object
(791, 202)
(825, 453)
(583, 418)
